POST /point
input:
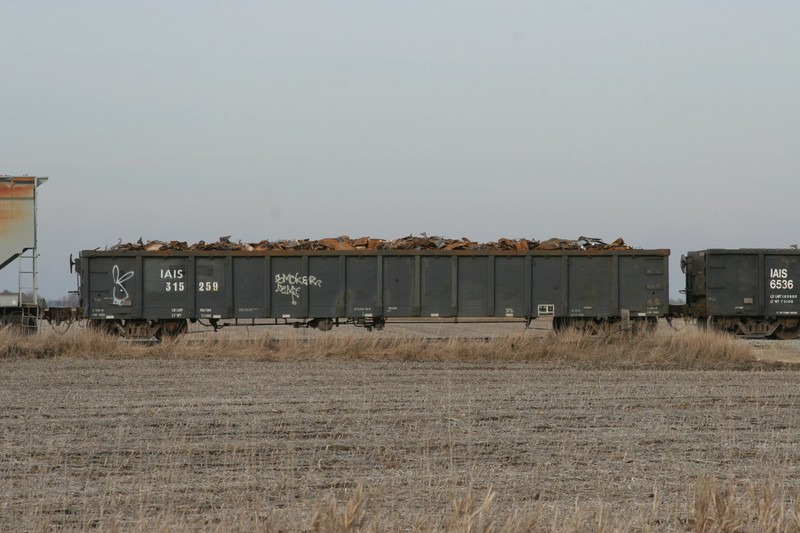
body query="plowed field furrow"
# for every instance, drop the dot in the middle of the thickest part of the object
(174, 440)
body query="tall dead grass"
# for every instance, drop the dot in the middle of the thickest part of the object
(687, 350)
(711, 506)
(720, 508)
(50, 344)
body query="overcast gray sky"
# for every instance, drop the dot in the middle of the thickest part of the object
(670, 124)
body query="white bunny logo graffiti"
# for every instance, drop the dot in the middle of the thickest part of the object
(120, 293)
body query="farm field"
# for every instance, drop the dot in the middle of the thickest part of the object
(153, 441)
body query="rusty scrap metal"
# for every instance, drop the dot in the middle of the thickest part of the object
(343, 242)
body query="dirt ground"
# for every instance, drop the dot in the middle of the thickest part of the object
(160, 443)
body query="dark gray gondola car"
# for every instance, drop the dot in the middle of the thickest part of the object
(143, 294)
(747, 292)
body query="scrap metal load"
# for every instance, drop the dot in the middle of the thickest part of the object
(345, 243)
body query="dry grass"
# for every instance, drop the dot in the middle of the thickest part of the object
(761, 507)
(688, 350)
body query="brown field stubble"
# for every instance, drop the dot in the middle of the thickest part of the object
(375, 433)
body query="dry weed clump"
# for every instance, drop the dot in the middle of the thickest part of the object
(687, 350)
(712, 507)
(15, 344)
(709, 346)
(765, 506)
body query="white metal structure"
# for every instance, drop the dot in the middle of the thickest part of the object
(18, 240)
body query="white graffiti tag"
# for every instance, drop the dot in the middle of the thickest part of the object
(120, 294)
(290, 284)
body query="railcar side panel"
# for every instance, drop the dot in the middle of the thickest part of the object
(473, 286)
(250, 286)
(744, 282)
(509, 286)
(643, 286)
(111, 288)
(289, 286)
(544, 283)
(363, 278)
(166, 284)
(733, 284)
(400, 297)
(321, 285)
(436, 284)
(781, 285)
(748, 291)
(210, 287)
(591, 284)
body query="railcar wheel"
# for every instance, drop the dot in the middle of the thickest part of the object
(19, 323)
(590, 326)
(564, 324)
(102, 326)
(644, 326)
(170, 329)
(598, 326)
(322, 324)
(787, 333)
(715, 323)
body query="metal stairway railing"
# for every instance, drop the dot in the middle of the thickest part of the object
(29, 288)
